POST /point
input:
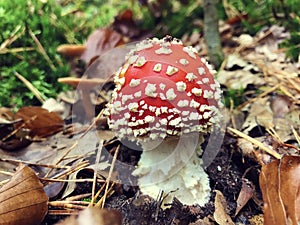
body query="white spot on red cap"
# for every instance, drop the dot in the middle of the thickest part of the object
(149, 119)
(163, 50)
(181, 86)
(133, 106)
(171, 94)
(190, 51)
(208, 94)
(197, 91)
(190, 77)
(157, 67)
(171, 70)
(162, 86)
(183, 61)
(134, 82)
(201, 70)
(138, 94)
(183, 103)
(150, 90)
(140, 61)
(205, 80)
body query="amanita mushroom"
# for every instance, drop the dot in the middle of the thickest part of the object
(167, 100)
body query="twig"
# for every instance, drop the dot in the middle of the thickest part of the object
(29, 85)
(77, 197)
(4, 182)
(68, 180)
(296, 135)
(64, 155)
(101, 202)
(259, 96)
(255, 142)
(66, 204)
(41, 49)
(65, 212)
(19, 128)
(109, 174)
(81, 165)
(96, 171)
(6, 173)
(12, 37)
(232, 114)
(34, 164)
(16, 50)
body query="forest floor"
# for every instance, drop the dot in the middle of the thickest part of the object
(262, 95)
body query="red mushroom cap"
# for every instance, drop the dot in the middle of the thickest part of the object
(163, 89)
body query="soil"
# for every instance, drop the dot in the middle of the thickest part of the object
(226, 174)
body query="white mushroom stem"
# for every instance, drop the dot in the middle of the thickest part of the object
(174, 167)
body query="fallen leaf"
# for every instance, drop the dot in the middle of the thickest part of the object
(108, 62)
(22, 199)
(100, 41)
(257, 220)
(239, 79)
(204, 221)
(39, 121)
(245, 195)
(260, 113)
(280, 184)
(52, 105)
(124, 24)
(220, 214)
(235, 60)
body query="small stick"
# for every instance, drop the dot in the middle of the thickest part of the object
(96, 171)
(14, 36)
(41, 49)
(68, 180)
(66, 204)
(32, 88)
(17, 161)
(259, 96)
(255, 142)
(109, 174)
(65, 212)
(296, 135)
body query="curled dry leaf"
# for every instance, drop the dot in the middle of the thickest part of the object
(39, 121)
(238, 79)
(245, 195)
(280, 184)
(95, 216)
(99, 42)
(220, 214)
(22, 199)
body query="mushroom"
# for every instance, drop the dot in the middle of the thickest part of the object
(84, 85)
(167, 100)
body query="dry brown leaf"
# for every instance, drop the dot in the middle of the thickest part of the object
(238, 79)
(204, 221)
(95, 216)
(100, 41)
(259, 114)
(22, 199)
(39, 121)
(220, 214)
(280, 184)
(257, 220)
(245, 195)
(124, 24)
